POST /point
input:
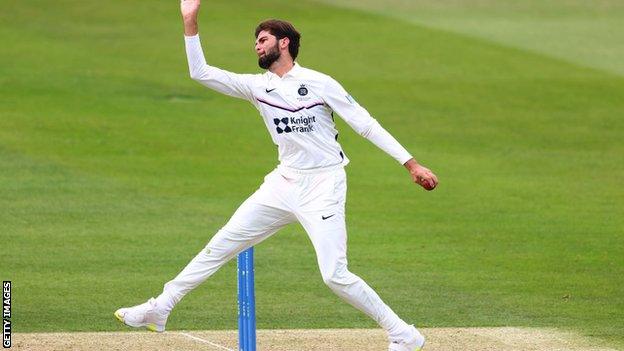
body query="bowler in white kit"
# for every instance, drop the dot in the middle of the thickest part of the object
(309, 184)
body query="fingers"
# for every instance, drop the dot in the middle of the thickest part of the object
(429, 184)
(427, 180)
(434, 180)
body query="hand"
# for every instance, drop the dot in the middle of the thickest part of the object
(421, 175)
(189, 9)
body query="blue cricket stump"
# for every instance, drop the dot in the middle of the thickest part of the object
(246, 302)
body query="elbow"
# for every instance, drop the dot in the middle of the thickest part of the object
(364, 132)
(368, 129)
(198, 73)
(195, 75)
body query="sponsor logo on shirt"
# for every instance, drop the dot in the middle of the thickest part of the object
(301, 124)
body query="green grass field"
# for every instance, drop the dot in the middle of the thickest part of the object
(116, 169)
(584, 32)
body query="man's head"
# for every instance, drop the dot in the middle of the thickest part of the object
(276, 39)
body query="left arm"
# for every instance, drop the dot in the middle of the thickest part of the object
(361, 121)
(228, 83)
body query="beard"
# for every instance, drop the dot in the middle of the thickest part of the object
(271, 56)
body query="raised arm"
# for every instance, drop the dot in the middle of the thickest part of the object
(228, 83)
(361, 121)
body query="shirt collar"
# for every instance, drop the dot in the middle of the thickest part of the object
(294, 71)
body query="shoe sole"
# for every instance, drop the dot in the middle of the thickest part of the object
(421, 346)
(418, 348)
(149, 326)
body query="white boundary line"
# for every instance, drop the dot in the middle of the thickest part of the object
(206, 341)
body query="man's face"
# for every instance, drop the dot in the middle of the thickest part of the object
(267, 49)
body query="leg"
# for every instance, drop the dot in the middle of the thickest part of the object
(260, 216)
(323, 218)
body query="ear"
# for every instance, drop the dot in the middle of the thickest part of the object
(284, 42)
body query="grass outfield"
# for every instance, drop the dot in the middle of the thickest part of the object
(116, 169)
(584, 32)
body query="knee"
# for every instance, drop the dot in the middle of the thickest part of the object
(332, 281)
(338, 277)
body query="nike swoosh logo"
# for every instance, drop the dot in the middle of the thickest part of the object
(269, 90)
(330, 216)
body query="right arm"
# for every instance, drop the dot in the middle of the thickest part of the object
(361, 121)
(228, 83)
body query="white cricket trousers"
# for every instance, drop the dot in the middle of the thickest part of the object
(316, 199)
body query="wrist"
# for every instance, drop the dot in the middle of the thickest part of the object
(189, 20)
(190, 28)
(411, 165)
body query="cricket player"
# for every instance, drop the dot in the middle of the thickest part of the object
(308, 186)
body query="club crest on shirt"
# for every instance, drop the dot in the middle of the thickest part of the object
(303, 91)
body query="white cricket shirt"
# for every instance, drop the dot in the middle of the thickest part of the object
(297, 110)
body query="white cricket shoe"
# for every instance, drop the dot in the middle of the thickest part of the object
(143, 315)
(415, 343)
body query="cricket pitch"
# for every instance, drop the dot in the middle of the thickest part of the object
(438, 339)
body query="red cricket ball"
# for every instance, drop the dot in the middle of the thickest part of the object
(428, 184)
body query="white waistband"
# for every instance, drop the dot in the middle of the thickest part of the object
(288, 170)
